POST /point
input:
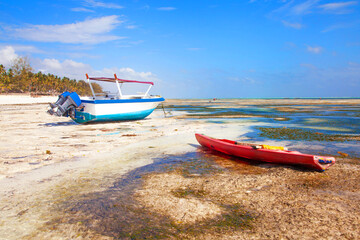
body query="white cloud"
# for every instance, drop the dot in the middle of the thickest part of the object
(76, 70)
(291, 12)
(303, 8)
(292, 25)
(126, 73)
(91, 31)
(166, 8)
(67, 68)
(293, 9)
(342, 25)
(73, 69)
(51, 64)
(93, 3)
(334, 6)
(23, 48)
(338, 7)
(81, 9)
(315, 50)
(131, 27)
(7, 56)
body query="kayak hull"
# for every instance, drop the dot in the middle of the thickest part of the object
(230, 147)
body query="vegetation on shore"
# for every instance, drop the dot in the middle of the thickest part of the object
(20, 78)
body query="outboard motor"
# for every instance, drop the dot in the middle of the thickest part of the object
(65, 102)
(61, 99)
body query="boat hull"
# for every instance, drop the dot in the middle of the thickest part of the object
(115, 110)
(229, 147)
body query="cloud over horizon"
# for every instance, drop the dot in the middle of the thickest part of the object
(76, 70)
(72, 69)
(7, 55)
(91, 31)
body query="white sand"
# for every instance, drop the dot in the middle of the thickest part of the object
(42, 154)
(24, 99)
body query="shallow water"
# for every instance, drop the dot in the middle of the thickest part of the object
(333, 118)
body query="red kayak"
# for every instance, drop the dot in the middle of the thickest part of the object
(259, 153)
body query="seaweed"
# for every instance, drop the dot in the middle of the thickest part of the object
(285, 133)
(116, 213)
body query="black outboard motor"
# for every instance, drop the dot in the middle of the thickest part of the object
(65, 102)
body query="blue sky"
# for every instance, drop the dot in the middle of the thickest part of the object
(193, 49)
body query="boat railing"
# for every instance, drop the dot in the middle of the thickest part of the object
(116, 97)
(118, 83)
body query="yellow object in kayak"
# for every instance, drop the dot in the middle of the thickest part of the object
(273, 147)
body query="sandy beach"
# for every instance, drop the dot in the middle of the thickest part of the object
(62, 180)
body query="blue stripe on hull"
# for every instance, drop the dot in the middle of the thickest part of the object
(107, 101)
(83, 117)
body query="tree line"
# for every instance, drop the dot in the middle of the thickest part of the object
(20, 78)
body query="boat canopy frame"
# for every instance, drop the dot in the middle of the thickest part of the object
(118, 82)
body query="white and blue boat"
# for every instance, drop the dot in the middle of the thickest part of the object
(109, 106)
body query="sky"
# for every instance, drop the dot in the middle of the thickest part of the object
(193, 49)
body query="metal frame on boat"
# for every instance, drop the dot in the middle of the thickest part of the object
(111, 106)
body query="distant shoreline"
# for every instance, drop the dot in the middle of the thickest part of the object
(275, 98)
(214, 99)
(26, 98)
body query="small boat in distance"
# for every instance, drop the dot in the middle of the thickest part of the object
(265, 153)
(109, 106)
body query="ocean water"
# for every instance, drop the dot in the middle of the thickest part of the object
(315, 126)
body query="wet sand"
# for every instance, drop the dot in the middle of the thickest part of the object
(61, 180)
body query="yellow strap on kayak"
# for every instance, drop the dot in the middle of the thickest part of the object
(273, 147)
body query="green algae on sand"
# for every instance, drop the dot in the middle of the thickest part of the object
(285, 133)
